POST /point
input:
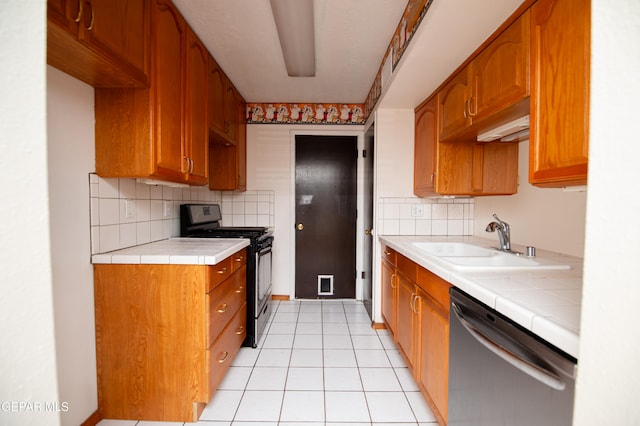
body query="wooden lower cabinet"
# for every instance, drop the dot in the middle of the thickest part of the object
(165, 337)
(421, 328)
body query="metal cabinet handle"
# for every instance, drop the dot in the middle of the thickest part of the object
(393, 280)
(93, 19)
(472, 113)
(239, 258)
(368, 232)
(240, 330)
(222, 271)
(80, 5)
(223, 308)
(299, 227)
(225, 355)
(239, 290)
(387, 253)
(464, 110)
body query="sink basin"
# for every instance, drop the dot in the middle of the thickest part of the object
(469, 257)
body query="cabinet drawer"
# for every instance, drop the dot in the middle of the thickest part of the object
(221, 354)
(435, 286)
(407, 267)
(239, 259)
(389, 254)
(218, 273)
(224, 301)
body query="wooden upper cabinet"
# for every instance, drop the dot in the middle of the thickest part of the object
(455, 168)
(217, 87)
(492, 89)
(453, 100)
(426, 145)
(168, 43)
(159, 132)
(104, 43)
(560, 50)
(197, 132)
(500, 73)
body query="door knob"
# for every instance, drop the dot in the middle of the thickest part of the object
(300, 227)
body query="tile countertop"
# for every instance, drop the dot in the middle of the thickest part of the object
(175, 251)
(546, 302)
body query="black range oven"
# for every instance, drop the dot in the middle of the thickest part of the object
(203, 221)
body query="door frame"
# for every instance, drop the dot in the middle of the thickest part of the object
(359, 134)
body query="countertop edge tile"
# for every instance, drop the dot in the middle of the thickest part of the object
(176, 251)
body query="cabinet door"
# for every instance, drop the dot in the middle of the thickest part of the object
(434, 352)
(64, 13)
(231, 102)
(197, 133)
(389, 296)
(453, 104)
(119, 30)
(216, 97)
(241, 149)
(426, 144)
(405, 324)
(501, 71)
(560, 61)
(168, 39)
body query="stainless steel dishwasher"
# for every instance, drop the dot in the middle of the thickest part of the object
(502, 374)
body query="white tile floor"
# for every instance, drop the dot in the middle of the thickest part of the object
(320, 363)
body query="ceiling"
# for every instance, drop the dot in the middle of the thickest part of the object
(352, 37)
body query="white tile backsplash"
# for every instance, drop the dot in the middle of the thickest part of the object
(155, 210)
(441, 216)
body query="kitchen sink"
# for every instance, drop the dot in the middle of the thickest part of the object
(469, 257)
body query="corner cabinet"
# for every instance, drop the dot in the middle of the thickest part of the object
(104, 43)
(159, 132)
(560, 70)
(459, 168)
(166, 336)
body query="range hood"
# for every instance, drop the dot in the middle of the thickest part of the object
(513, 131)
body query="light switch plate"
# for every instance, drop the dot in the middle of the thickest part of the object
(417, 210)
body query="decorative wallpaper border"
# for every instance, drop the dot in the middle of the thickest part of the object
(299, 113)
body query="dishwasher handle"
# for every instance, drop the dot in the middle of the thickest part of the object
(538, 372)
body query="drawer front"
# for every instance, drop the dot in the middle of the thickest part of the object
(221, 354)
(435, 286)
(389, 254)
(218, 273)
(225, 300)
(406, 267)
(239, 259)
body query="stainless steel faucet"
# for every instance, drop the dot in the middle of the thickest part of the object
(504, 233)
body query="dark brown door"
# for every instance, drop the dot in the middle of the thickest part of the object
(325, 216)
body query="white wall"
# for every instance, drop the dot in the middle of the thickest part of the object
(27, 353)
(394, 153)
(71, 142)
(546, 218)
(608, 373)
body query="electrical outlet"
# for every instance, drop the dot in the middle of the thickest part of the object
(417, 210)
(167, 206)
(129, 209)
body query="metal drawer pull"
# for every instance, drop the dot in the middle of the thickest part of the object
(81, 3)
(239, 290)
(224, 358)
(239, 259)
(223, 308)
(222, 271)
(240, 330)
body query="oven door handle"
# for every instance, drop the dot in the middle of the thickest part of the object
(538, 372)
